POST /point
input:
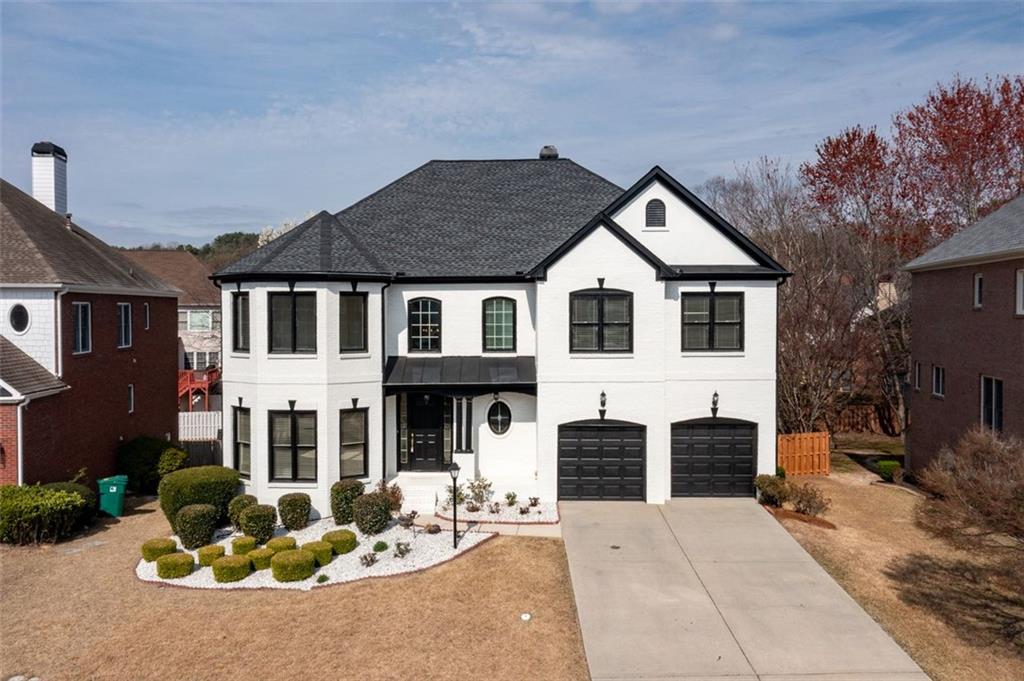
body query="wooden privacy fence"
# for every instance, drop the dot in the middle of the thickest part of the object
(196, 426)
(803, 453)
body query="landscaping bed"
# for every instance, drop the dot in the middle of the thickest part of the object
(426, 550)
(544, 513)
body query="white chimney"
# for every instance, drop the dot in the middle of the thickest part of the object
(50, 176)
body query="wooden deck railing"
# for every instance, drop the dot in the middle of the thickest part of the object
(804, 453)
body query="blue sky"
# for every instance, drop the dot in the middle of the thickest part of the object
(182, 121)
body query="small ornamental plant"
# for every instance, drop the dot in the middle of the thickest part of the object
(343, 494)
(523, 510)
(321, 579)
(479, 491)
(174, 565)
(209, 553)
(772, 490)
(240, 546)
(472, 506)
(402, 549)
(342, 541)
(432, 528)
(494, 507)
(887, 470)
(368, 559)
(321, 550)
(154, 548)
(260, 558)
(510, 498)
(293, 565)
(393, 492)
(281, 543)
(231, 568)
(380, 547)
(535, 501)
(407, 520)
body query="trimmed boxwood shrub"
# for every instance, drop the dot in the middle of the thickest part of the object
(196, 523)
(154, 548)
(147, 459)
(209, 553)
(241, 546)
(258, 522)
(260, 558)
(92, 500)
(294, 510)
(343, 494)
(214, 485)
(32, 514)
(174, 565)
(293, 565)
(231, 568)
(342, 541)
(236, 506)
(281, 543)
(372, 512)
(321, 550)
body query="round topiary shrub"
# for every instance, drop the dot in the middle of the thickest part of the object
(260, 558)
(154, 548)
(231, 568)
(214, 485)
(372, 512)
(258, 522)
(174, 565)
(236, 506)
(195, 524)
(342, 541)
(343, 494)
(321, 550)
(293, 565)
(240, 546)
(209, 553)
(294, 510)
(281, 543)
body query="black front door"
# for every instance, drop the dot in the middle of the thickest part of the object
(426, 424)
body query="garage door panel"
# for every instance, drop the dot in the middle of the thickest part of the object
(713, 459)
(601, 461)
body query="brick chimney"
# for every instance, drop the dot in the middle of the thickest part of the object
(50, 176)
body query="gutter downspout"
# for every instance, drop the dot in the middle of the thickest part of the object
(21, 440)
(383, 391)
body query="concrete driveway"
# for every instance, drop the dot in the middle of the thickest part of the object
(714, 589)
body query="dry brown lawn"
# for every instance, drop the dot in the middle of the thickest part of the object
(77, 611)
(939, 603)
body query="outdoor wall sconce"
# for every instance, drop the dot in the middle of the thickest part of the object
(495, 396)
(600, 282)
(604, 401)
(355, 402)
(239, 401)
(714, 405)
(291, 405)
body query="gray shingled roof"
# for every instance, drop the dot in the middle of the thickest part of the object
(38, 247)
(447, 219)
(23, 373)
(998, 234)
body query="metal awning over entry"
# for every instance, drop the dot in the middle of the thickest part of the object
(461, 372)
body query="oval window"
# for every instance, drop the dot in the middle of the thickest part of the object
(19, 318)
(499, 418)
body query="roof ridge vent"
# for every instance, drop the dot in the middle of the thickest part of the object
(548, 152)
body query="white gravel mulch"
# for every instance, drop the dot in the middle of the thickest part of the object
(427, 550)
(545, 513)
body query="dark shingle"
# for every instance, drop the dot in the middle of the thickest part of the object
(1001, 232)
(23, 373)
(182, 270)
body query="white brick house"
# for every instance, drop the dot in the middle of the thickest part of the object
(527, 319)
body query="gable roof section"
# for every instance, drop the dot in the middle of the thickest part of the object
(657, 174)
(38, 247)
(24, 374)
(997, 236)
(445, 219)
(182, 270)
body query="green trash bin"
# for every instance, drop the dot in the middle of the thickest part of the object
(112, 494)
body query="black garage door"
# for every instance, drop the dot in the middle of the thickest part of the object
(713, 458)
(601, 460)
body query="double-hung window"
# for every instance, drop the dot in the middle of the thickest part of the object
(424, 325)
(124, 325)
(938, 381)
(992, 403)
(292, 445)
(600, 320)
(81, 326)
(243, 441)
(240, 322)
(499, 325)
(355, 455)
(712, 322)
(292, 323)
(352, 321)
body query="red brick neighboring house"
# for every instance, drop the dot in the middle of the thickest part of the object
(88, 350)
(967, 336)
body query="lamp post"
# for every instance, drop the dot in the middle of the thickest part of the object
(453, 471)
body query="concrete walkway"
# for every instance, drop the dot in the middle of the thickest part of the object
(703, 589)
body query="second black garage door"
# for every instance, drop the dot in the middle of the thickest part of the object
(713, 458)
(602, 460)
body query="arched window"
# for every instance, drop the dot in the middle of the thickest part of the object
(424, 325)
(499, 418)
(655, 213)
(499, 325)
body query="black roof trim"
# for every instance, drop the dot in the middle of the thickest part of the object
(301, 276)
(603, 218)
(727, 272)
(693, 201)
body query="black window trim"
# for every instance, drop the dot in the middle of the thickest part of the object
(711, 296)
(236, 298)
(294, 320)
(601, 294)
(366, 322)
(293, 421)
(366, 441)
(408, 324)
(235, 411)
(483, 324)
(491, 406)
